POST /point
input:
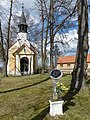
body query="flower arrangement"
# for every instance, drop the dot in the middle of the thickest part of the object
(60, 87)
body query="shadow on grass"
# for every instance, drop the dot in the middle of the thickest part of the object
(68, 99)
(42, 114)
(67, 104)
(15, 89)
(70, 95)
(88, 85)
(88, 81)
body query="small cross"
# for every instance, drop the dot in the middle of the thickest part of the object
(22, 6)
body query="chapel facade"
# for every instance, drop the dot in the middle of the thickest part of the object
(22, 55)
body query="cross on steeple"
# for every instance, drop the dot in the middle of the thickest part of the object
(22, 6)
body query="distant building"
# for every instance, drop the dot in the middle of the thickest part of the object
(66, 63)
(22, 55)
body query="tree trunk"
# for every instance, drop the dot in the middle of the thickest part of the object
(3, 52)
(42, 18)
(46, 37)
(7, 46)
(45, 56)
(51, 33)
(79, 71)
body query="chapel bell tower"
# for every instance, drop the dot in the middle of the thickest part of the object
(22, 26)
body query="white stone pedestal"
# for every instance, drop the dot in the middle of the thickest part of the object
(56, 108)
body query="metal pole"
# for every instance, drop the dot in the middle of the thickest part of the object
(54, 90)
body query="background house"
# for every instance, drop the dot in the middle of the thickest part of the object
(66, 63)
(22, 55)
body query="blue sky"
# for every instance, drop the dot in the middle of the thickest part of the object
(72, 33)
(71, 50)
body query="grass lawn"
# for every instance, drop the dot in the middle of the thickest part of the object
(9, 83)
(78, 108)
(29, 102)
(25, 103)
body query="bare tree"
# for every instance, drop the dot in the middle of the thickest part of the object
(52, 12)
(43, 16)
(2, 55)
(58, 10)
(6, 48)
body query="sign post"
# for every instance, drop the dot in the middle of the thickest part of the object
(55, 75)
(56, 105)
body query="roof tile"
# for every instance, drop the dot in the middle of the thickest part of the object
(70, 59)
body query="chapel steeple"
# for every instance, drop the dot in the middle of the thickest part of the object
(22, 23)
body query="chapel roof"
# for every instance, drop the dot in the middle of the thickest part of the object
(22, 18)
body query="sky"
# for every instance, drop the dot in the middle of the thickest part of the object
(28, 3)
(72, 33)
(71, 49)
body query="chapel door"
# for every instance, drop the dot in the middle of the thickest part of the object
(24, 65)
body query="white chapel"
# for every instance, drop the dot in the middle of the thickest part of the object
(22, 55)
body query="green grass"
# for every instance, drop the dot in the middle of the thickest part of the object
(78, 108)
(9, 83)
(27, 103)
